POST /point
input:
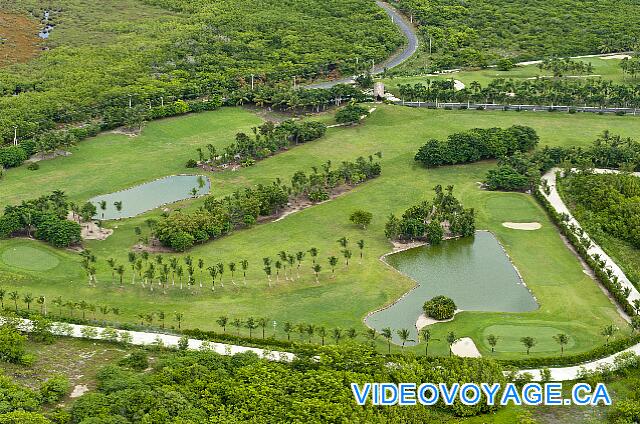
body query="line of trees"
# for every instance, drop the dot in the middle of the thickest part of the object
(477, 144)
(218, 217)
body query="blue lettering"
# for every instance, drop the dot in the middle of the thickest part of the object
(601, 393)
(491, 392)
(385, 388)
(449, 394)
(553, 394)
(510, 394)
(435, 394)
(532, 394)
(407, 394)
(577, 391)
(466, 388)
(361, 398)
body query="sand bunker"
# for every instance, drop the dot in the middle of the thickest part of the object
(465, 348)
(424, 320)
(527, 226)
(616, 56)
(458, 85)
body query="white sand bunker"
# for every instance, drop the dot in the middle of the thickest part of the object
(616, 56)
(527, 226)
(424, 320)
(465, 348)
(78, 391)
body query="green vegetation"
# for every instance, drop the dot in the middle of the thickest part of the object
(440, 308)
(481, 32)
(115, 162)
(136, 55)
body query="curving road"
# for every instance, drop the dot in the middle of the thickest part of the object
(394, 60)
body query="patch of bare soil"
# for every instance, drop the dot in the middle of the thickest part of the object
(129, 132)
(90, 230)
(19, 39)
(38, 157)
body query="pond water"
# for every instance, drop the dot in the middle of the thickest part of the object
(145, 197)
(475, 272)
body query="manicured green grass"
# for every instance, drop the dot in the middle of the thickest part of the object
(607, 69)
(570, 301)
(30, 258)
(509, 338)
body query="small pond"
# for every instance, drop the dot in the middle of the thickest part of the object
(145, 197)
(475, 272)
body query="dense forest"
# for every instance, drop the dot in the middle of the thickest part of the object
(196, 49)
(479, 32)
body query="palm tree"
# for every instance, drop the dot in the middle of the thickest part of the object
(336, 334)
(2, 294)
(451, 338)
(118, 206)
(404, 334)
(291, 260)
(343, 241)
(278, 266)
(251, 324)
(283, 259)
(347, 255)
(310, 329)
(59, 303)
(162, 317)
(387, 334)
(267, 270)
(425, 335)
(103, 206)
(262, 323)
(178, 317)
(333, 261)
(200, 267)
(352, 333)
(112, 264)
(608, 331)
(237, 323)
(213, 272)
(528, 343)
(27, 299)
(288, 328)
(493, 341)
(561, 339)
(220, 266)
(40, 300)
(222, 321)
(322, 332)
(179, 272)
(244, 264)
(299, 259)
(361, 247)
(314, 254)
(316, 270)
(232, 270)
(120, 272)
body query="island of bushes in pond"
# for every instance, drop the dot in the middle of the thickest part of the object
(433, 221)
(218, 217)
(440, 308)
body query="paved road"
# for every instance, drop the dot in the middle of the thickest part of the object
(393, 61)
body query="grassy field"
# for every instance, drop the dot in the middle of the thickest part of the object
(570, 301)
(607, 69)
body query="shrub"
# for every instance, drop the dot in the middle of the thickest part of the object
(137, 360)
(54, 389)
(191, 163)
(12, 345)
(12, 156)
(33, 166)
(351, 114)
(440, 308)
(361, 217)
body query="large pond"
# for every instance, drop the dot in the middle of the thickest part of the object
(145, 197)
(475, 272)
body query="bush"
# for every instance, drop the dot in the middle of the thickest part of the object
(54, 389)
(137, 360)
(440, 308)
(12, 345)
(351, 114)
(12, 156)
(33, 166)
(191, 163)
(505, 177)
(361, 217)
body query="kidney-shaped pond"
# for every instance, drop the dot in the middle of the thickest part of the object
(475, 272)
(145, 197)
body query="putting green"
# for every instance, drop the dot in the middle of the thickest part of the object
(509, 338)
(29, 258)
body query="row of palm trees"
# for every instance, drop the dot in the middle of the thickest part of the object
(164, 272)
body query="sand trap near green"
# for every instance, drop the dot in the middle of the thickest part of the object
(29, 258)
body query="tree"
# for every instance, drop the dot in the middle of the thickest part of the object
(361, 217)
(251, 325)
(451, 339)
(120, 272)
(288, 328)
(2, 294)
(440, 308)
(222, 321)
(562, 340)
(244, 264)
(404, 335)
(608, 331)
(262, 323)
(425, 335)
(386, 333)
(213, 272)
(322, 332)
(14, 296)
(347, 255)
(361, 247)
(635, 323)
(237, 323)
(232, 270)
(333, 261)
(316, 270)
(336, 334)
(178, 316)
(528, 343)
(343, 242)
(493, 341)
